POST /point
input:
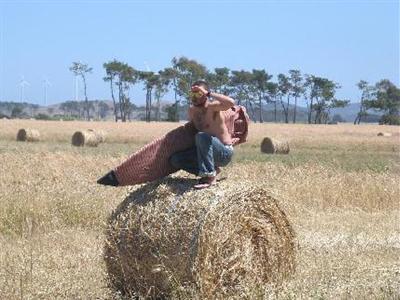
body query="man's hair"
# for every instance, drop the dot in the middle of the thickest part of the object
(202, 83)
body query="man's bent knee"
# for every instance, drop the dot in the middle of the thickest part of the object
(202, 136)
(174, 161)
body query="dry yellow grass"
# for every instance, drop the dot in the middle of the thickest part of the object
(339, 187)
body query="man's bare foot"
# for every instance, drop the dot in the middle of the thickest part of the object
(218, 170)
(206, 182)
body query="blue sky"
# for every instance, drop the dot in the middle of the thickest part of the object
(344, 41)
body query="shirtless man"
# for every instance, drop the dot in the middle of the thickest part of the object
(213, 147)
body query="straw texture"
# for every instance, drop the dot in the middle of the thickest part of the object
(86, 138)
(222, 241)
(273, 146)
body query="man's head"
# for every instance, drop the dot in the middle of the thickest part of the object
(198, 93)
(201, 83)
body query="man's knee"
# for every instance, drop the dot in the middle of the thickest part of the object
(174, 161)
(202, 137)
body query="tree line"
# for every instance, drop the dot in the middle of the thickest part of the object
(252, 89)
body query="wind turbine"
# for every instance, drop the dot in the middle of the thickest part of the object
(22, 84)
(76, 84)
(46, 84)
(76, 87)
(147, 66)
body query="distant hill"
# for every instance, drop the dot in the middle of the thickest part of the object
(27, 110)
(349, 113)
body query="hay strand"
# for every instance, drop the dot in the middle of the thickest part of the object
(85, 138)
(28, 135)
(221, 241)
(273, 146)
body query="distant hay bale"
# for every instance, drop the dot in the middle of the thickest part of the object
(384, 134)
(101, 135)
(85, 138)
(28, 135)
(273, 146)
(165, 237)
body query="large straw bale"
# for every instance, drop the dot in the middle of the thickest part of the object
(28, 135)
(274, 146)
(220, 242)
(86, 138)
(101, 135)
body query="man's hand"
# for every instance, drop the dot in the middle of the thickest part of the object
(197, 88)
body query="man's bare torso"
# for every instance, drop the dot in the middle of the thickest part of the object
(210, 121)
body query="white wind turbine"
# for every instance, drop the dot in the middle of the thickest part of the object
(22, 84)
(46, 85)
(76, 84)
(147, 66)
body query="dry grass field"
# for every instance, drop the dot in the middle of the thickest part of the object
(339, 186)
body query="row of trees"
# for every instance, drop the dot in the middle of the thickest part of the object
(253, 89)
(70, 109)
(81, 109)
(383, 96)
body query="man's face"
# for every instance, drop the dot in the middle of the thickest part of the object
(197, 97)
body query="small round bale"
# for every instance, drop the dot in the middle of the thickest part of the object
(384, 134)
(85, 138)
(273, 146)
(28, 135)
(101, 135)
(167, 238)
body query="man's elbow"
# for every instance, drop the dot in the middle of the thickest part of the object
(229, 103)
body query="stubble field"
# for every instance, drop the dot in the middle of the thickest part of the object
(339, 187)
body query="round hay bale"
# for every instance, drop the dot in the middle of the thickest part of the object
(85, 138)
(166, 237)
(384, 134)
(28, 135)
(273, 146)
(101, 135)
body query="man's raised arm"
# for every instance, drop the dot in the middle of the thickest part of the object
(221, 102)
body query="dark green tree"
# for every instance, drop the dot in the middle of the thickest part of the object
(366, 94)
(284, 88)
(81, 69)
(16, 112)
(123, 76)
(112, 69)
(326, 100)
(161, 88)
(297, 88)
(171, 75)
(103, 109)
(219, 80)
(183, 73)
(171, 111)
(387, 100)
(273, 92)
(241, 85)
(150, 81)
(259, 80)
(312, 91)
(188, 71)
